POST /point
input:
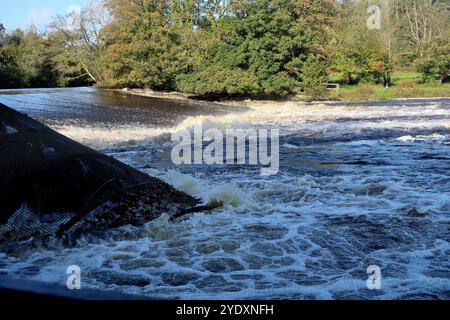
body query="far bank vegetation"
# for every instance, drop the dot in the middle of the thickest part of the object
(241, 48)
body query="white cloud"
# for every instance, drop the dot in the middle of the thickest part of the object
(40, 17)
(73, 17)
(73, 9)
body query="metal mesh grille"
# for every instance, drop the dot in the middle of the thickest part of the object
(25, 224)
(49, 183)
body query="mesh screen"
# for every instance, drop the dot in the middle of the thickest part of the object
(50, 183)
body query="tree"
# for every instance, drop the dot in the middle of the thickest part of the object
(361, 54)
(228, 47)
(148, 43)
(10, 73)
(78, 42)
(35, 61)
(314, 76)
(436, 61)
(420, 16)
(266, 43)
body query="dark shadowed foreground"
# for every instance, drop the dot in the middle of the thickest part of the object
(50, 185)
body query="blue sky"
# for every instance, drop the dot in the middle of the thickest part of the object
(21, 13)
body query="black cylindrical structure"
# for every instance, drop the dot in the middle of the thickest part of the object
(50, 184)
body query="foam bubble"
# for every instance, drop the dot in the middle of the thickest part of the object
(289, 117)
(372, 191)
(228, 195)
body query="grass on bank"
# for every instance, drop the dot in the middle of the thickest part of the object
(406, 84)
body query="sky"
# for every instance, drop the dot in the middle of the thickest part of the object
(22, 13)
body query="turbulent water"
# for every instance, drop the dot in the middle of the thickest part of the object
(360, 184)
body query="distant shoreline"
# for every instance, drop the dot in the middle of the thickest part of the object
(241, 102)
(247, 102)
(178, 97)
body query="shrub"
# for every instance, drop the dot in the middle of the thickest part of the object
(314, 76)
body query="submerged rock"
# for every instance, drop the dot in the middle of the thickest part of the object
(110, 278)
(51, 185)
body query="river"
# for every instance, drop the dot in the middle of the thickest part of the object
(359, 184)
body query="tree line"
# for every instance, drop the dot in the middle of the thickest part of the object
(229, 47)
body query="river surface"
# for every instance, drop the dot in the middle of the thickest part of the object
(359, 184)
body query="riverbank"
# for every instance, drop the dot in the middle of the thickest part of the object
(238, 105)
(405, 84)
(175, 96)
(399, 91)
(363, 93)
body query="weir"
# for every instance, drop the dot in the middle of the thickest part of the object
(51, 185)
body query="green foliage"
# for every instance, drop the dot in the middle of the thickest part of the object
(360, 54)
(261, 49)
(65, 56)
(229, 48)
(436, 64)
(25, 60)
(145, 47)
(9, 69)
(35, 61)
(216, 79)
(407, 85)
(314, 75)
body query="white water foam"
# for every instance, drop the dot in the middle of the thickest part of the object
(372, 191)
(289, 117)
